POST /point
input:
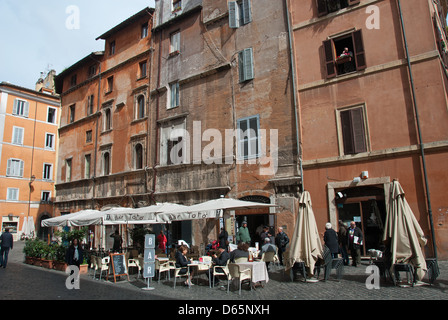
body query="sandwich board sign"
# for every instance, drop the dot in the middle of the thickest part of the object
(149, 259)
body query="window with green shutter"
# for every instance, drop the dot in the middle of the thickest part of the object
(240, 13)
(246, 64)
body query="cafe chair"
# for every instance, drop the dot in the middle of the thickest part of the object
(178, 275)
(94, 264)
(104, 265)
(329, 264)
(238, 272)
(241, 259)
(163, 267)
(135, 263)
(268, 257)
(222, 271)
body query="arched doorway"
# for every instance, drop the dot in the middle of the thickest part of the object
(256, 218)
(43, 232)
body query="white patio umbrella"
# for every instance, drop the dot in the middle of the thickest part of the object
(62, 221)
(30, 226)
(209, 209)
(305, 245)
(25, 226)
(404, 233)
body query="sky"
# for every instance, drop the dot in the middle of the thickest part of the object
(37, 36)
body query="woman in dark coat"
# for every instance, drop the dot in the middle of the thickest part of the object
(223, 236)
(331, 240)
(182, 262)
(75, 254)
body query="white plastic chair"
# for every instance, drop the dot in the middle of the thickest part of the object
(177, 275)
(163, 267)
(104, 266)
(135, 263)
(222, 271)
(237, 272)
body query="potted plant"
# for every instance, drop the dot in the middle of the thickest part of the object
(49, 252)
(59, 258)
(28, 251)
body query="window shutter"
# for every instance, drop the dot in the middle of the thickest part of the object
(248, 64)
(322, 8)
(8, 167)
(247, 12)
(353, 2)
(359, 50)
(233, 15)
(21, 168)
(359, 138)
(241, 65)
(347, 137)
(330, 66)
(26, 109)
(15, 106)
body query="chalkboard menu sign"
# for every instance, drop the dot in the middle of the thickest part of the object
(118, 265)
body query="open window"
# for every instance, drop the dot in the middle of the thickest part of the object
(344, 54)
(240, 13)
(325, 7)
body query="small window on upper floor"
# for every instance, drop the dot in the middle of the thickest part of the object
(177, 5)
(240, 13)
(112, 48)
(73, 80)
(51, 115)
(344, 54)
(325, 7)
(21, 108)
(71, 115)
(92, 71)
(246, 64)
(353, 130)
(175, 43)
(143, 66)
(144, 31)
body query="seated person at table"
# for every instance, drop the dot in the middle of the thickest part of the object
(267, 247)
(219, 259)
(182, 262)
(241, 251)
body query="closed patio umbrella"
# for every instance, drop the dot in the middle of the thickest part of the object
(305, 244)
(403, 232)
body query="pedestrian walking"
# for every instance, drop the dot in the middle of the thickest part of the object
(7, 243)
(281, 240)
(331, 240)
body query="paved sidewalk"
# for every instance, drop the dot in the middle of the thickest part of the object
(21, 281)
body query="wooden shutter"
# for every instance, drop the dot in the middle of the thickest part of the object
(233, 15)
(248, 64)
(247, 12)
(15, 106)
(8, 167)
(330, 66)
(21, 168)
(26, 109)
(353, 131)
(360, 56)
(322, 8)
(347, 137)
(353, 2)
(358, 130)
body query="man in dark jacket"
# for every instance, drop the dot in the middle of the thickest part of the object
(281, 240)
(331, 240)
(355, 240)
(219, 259)
(7, 243)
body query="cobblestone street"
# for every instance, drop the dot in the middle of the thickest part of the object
(23, 282)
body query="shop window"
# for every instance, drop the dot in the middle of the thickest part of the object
(325, 7)
(344, 54)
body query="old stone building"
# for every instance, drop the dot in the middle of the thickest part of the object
(104, 121)
(222, 113)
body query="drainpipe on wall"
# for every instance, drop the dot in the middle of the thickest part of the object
(295, 97)
(96, 134)
(414, 101)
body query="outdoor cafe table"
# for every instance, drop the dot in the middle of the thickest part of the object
(201, 266)
(258, 269)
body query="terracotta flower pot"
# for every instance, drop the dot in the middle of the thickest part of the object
(47, 263)
(59, 265)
